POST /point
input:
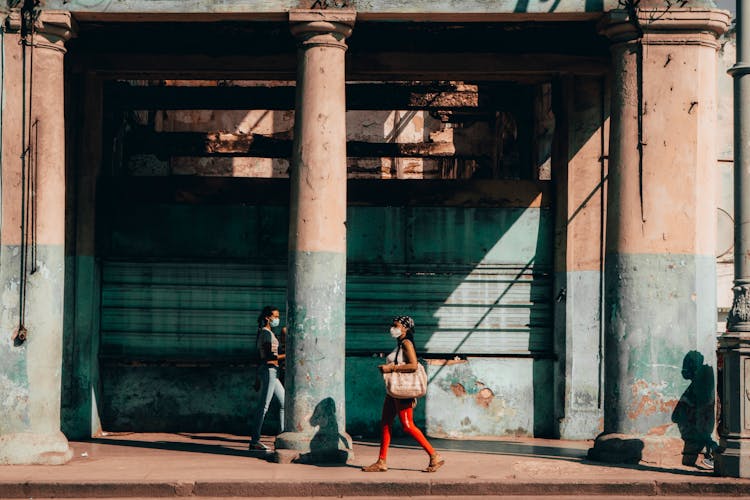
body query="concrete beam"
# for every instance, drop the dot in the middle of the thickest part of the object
(365, 66)
(404, 193)
(281, 97)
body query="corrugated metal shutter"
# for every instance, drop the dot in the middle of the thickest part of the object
(184, 310)
(476, 281)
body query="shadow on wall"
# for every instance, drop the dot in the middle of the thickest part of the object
(694, 415)
(695, 412)
(328, 445)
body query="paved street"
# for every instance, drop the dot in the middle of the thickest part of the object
(214, 465)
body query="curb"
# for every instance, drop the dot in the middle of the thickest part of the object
(355, 488)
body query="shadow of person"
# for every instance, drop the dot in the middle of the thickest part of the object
(328, 445)
(695, 411)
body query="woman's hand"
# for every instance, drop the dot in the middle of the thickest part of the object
(386, 368)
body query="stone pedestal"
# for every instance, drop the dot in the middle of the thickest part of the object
(660, 276)
(315, 381)
(30, 370)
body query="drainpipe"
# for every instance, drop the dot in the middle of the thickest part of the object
(734, 344)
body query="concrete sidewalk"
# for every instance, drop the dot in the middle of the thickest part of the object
(214, 465)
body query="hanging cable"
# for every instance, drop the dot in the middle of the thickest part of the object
(29, 12)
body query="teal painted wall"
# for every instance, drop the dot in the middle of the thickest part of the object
(81, 386)
(659, 308)
(581, 339)
(30, 372)
(481, 397)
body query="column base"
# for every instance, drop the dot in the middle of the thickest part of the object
(26, 448)
(315, 448)
(632, 449)
(581, 424)
(734, 458)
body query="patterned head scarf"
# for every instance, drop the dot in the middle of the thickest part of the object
(405, 321)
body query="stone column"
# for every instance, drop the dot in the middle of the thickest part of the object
(734, 344)
(30, 371)
(660, 305)
(315, 410)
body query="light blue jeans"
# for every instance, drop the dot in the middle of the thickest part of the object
(270, 386)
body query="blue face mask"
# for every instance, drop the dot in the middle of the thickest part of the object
(274, 322)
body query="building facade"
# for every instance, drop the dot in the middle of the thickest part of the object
(533, 181)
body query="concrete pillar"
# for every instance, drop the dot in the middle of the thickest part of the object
(315, 416)
(81, 384)
(660, 292)
(30, 371)
(580, 177)
(734, 344)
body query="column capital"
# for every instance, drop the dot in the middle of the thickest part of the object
(322, 27)
(667, 26)
(54, 27)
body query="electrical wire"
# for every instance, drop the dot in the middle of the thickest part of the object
(28, 161)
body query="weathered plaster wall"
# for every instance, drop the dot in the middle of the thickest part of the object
(478, 397)
(482, 397)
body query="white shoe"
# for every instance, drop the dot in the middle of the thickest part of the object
(257, 446)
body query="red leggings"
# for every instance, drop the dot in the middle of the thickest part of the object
(405, 412)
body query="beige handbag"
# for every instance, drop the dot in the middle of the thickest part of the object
(405, 385)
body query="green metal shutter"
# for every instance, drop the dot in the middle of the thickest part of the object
(175, 311)
(476, 281)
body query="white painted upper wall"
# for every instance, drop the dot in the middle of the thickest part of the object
(730, 5)
(406, 9)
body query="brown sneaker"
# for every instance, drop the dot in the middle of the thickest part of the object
(378, 466)
(436, 461)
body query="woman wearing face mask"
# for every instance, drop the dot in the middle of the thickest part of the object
(268, 371)
(402, 359)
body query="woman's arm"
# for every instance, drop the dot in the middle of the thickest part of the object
(411, 359)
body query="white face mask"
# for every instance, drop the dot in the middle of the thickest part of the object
(396, 332)
(274, 322)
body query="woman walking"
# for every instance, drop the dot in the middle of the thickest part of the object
(268, 351)
(402, 359)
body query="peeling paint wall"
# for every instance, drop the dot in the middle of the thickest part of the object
(479, 397)
(483, 397)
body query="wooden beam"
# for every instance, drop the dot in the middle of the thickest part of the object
(358, 97)
(165, 144)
